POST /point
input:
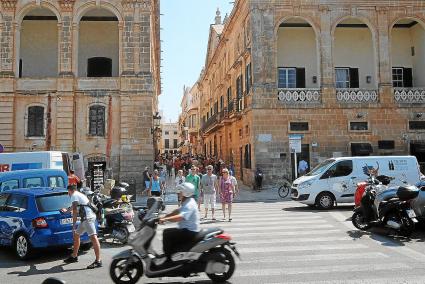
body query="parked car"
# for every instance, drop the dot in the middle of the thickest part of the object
(335, 180)
(31, 219)
(33, 178)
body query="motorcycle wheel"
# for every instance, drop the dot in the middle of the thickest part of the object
(408, 227)
(359, 222)
(123, 274)
(229, 261)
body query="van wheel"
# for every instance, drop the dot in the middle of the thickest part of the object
(325, 201)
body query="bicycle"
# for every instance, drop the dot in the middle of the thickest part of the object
(285, 188)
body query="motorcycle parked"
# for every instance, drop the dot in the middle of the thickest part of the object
(115, 215)
(210, 253)
(386, 207)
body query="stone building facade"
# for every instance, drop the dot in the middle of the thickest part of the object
(81, 76)
(189, 121)
(345, 76)
(170, 138)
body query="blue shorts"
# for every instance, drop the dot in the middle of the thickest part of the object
(147, 183)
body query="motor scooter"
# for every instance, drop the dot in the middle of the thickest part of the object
(386, 207)
(211, 252)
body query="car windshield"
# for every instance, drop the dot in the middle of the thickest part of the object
(320, 168)
(53, 202)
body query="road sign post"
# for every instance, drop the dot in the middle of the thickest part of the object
(295, 147)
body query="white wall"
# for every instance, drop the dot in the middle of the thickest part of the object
(418, 34)
(353, 47)
(39, 49)
(401, 41)
(98, 39)
(296, 47)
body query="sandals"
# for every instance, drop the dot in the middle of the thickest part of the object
(95, 264)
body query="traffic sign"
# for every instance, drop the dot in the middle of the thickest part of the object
(295, 144)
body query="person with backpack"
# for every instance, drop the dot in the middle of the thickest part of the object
(81, 207)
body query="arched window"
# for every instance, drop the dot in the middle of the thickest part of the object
(35, 121)
(97, 120)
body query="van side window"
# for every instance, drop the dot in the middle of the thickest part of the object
(33, 182)
(9, 184)
(340, 169)
(56, 182)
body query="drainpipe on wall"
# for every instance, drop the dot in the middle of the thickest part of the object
(49, 123)
(109, 135)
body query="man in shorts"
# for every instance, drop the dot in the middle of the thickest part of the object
(80, 207)
(209, 186)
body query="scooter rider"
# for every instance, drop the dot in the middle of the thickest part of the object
(187, 217)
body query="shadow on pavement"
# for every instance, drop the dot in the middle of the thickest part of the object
(34, 271)
(190, 281)
(313, 209)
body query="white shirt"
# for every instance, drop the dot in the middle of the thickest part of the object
(179, 180)
(190, 214)
(81, 199)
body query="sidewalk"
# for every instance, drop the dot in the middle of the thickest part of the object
(246, 194)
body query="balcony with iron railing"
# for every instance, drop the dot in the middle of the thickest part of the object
(300, 96)
(415, 95)
(357, 96)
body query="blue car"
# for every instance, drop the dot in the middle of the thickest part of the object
(31, 219)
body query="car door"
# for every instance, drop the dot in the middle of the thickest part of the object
(16, 209)
(3, 224)
(339, 181)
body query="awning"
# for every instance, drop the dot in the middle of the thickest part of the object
(361, 149)
(418, 147)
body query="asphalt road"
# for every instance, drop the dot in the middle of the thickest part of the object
(280, 242)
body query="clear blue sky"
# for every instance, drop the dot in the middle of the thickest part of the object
(185, 30)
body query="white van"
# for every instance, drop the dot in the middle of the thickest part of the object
(335, 180)
(35, 160)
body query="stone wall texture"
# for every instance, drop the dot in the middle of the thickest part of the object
(130, 99)
(250, 35)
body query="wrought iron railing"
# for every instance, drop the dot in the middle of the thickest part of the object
(409, 95)
(357, 96)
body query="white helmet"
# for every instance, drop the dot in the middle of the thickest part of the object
(187, 189)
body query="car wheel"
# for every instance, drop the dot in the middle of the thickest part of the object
(22, 247)
(325, 201)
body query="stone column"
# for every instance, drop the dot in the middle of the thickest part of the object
(384, 67)
(326, 57)
(128, 37)
(145, 37)
(7, 39)
(65, 38)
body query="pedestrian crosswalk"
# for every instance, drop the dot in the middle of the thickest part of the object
(307, 246)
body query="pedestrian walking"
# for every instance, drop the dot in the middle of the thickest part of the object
(227, 190)
(81, 207)
(209, 186)
(201, 196)
(194, 179)
(146, 178)
(155, 186)
(180, 179)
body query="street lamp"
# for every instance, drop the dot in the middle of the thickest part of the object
(155, 130)
(156, 123)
